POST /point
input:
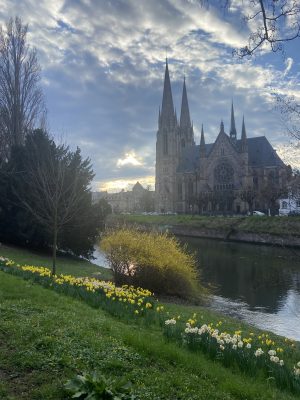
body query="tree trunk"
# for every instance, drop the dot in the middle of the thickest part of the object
(54, 244)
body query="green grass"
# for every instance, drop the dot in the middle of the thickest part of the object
(272, 225)
(66, 265)
(46, 338)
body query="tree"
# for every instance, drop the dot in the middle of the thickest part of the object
(21, 98)
(249, 195)
(51, 192)
(276, 22)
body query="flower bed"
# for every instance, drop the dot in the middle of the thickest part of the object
(252, 354)
(126, 302)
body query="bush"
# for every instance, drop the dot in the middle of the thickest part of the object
(155, 261)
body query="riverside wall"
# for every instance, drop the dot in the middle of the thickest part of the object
(227, 235)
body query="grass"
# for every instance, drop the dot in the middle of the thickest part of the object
(66, 265)
(272, 225)
(46, 338)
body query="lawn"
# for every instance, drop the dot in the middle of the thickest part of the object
(273, 225)
(46, 338)
(65, 264)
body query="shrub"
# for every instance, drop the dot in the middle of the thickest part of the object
(97, 387)
(155, 261)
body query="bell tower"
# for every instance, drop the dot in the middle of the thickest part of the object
(166, 151)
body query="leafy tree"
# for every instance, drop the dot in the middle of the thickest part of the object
(151, 260)
(48, 188)
(21, 99)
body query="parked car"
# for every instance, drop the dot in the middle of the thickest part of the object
(258, 213)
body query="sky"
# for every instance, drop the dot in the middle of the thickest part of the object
(102, 75)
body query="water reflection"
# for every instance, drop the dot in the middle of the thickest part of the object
(259, 284)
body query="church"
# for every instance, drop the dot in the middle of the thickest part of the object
(233, 175)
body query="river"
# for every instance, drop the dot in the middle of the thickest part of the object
(255, 283)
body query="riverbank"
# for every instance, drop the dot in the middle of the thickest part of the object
(280, 231)
(46, 338)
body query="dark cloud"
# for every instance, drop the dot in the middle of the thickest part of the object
(103, 67)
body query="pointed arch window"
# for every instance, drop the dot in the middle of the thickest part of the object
(179, 190)
(165, 143)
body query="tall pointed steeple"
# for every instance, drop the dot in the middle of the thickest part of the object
(185, 120)
(202, 144)
(167, 108)
(232, 124)
(244, 145)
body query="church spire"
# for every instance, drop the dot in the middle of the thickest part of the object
(232, 125)
(222, 127)
(185, 120)
(202, 144)
(167, 108)
(244, 145)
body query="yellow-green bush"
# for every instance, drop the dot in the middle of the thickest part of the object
(155, 261)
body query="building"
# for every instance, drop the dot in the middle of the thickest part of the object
(138, 199)
(290, 205)
(230, 175)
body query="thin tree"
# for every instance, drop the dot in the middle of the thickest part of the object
(21, 98)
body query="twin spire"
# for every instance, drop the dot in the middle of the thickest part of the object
(167, 107)
(167, 113)
(185, 120)
(168, 117)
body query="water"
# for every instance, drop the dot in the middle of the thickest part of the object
(257, 284)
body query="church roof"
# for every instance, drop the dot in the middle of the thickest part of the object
(260, 154)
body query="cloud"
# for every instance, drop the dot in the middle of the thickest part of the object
(103, 66)
(125, 184)
(288, 65)
(129, 159)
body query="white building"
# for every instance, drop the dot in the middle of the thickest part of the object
(289, 205)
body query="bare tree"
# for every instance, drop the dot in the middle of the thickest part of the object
(249, 195)
(275, 22)
(290, 113)
(21, 99)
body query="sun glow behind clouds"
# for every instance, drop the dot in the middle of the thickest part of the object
(130, 158)
(125, 184)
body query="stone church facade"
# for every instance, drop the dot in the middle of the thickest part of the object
(230, 175)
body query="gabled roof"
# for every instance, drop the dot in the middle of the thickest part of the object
(260, 154)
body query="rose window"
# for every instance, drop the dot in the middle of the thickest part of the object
(224, 173)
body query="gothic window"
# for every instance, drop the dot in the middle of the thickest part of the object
(284, 205)
(298, 203)
(274, 177)
(255, 181)
(179, 191)
(165, 144)
(224, 173)
(182, 143)
(222, 151)
(190, 189)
